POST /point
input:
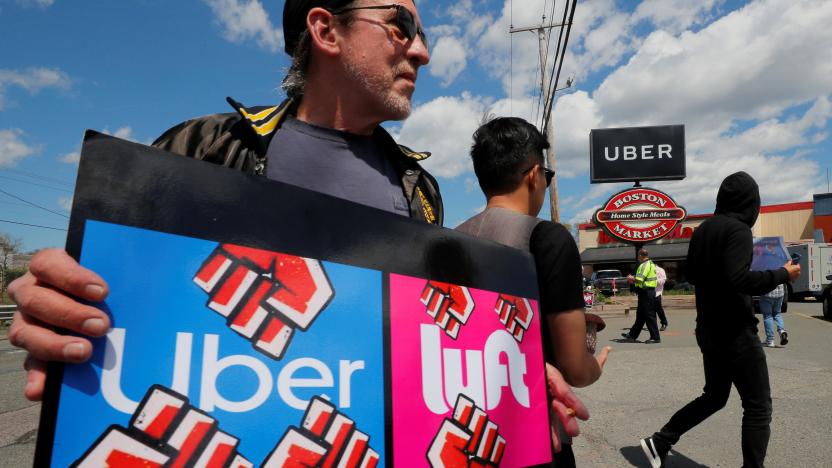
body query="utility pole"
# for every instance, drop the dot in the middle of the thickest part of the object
(542, 37)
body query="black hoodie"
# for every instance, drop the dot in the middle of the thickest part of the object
(719, 259)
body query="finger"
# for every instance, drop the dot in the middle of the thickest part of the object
(603, 355)
(35, 378)
(44, 344)
(566, 418)
(555, 439)
(558, 389)
(54, 308)
(56, 268)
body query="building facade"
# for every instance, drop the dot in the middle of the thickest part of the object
(795, 222)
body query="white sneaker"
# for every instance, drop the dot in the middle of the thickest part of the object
(769, 344)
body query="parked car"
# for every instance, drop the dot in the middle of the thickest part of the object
(602, 280)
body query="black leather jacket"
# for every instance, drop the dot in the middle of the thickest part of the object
(240, 140)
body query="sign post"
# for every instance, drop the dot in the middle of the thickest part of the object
(639, 215)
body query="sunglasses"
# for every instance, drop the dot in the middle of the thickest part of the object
(548, 173)
(404, 20)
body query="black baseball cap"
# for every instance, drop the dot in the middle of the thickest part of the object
(294, 18)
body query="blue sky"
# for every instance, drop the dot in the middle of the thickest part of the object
(750, 80)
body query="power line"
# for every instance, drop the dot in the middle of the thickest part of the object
(39, 177)
(32, 225)
(33, 204)
(35, 183)
(548, 40)
(562, 53)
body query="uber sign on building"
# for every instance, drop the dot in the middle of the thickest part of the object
(637, 154)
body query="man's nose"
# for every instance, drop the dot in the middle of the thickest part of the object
(418, 51)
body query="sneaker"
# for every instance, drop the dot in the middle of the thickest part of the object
(784, 338)
(769, 344)
(656, 457)
(653, 341)
(663, 327)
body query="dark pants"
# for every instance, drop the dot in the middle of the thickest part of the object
(565, 458)
(660, 310)
(646, 313)
(740, 362)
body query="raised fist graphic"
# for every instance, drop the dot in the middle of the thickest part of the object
(449, 305)
(264, 295)
(165, 431)
(327, 438)
(467, 440)
(515, 314)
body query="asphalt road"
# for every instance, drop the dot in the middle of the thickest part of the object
(642, 386)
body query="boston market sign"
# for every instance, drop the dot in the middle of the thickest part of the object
(639, 215)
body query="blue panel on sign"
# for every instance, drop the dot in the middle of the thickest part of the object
(165, 333)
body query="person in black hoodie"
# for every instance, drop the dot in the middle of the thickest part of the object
(719, 258)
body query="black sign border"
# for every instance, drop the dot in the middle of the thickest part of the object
(595, 180)
(130, 184)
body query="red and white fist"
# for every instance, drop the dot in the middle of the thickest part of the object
(327, 438)
(264, 295)
(165, 431)
(467, 440)
(449, 305)
(515, 314)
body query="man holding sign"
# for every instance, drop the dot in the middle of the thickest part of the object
(354, 66)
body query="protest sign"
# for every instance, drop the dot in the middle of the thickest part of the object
(769, 254)
(260, 324)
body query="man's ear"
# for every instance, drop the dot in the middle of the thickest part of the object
(531, 178)
(323, 31)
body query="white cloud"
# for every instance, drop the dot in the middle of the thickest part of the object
(36, 3)
(73, 157)
(125, 133)
(735, 87)
(444, 127)
(13, 148)
(32, 80)
(247, 19)
(675, 16)
(65, 203)
(751, 88)
(447, 59)
(573, 116)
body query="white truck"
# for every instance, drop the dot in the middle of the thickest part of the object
(815, 274)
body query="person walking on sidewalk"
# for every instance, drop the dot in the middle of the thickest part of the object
(661, 278)
(719, 261)
(645, 283)
(770, 305)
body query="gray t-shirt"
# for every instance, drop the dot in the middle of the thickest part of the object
(341, 164)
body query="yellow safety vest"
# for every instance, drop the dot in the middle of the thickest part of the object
(646, 275)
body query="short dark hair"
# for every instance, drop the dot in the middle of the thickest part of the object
(502, 147)
(298, 41)
(643, 253)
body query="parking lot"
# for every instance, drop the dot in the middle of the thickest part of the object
(641, 388)
(643, 385)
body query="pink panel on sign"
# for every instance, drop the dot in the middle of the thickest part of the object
(501, 374)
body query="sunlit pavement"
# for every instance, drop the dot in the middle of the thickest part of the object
(644, 384)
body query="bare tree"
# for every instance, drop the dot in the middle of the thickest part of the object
(9, 247)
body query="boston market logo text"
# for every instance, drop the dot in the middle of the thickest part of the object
(639, 215)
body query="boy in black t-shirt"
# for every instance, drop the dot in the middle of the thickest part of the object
(508, 159)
